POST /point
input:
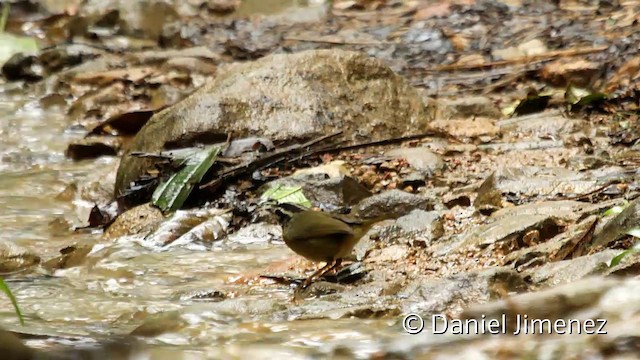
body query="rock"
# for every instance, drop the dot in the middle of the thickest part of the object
(450, 295)
(388, 254)
(93, 147)
(256, 233)
(470, 128)
(418, 228)
(70, 256)
(14, 257)
(566, 245)
(23, 67)
(286, 97)
(618, 226)
(97, 187)
(566, 210)
(141, 219)
(420, 158)
(468, 107)
(629, 266)
(130, 17)
(332, 169)
(322, 190)
(159, 324)
(489, 198)
(542, 125)
(572, 270)
(508, 232)
(554, 303)
(532, 181)
(393, 203)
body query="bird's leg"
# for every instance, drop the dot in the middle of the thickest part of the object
(323, 270)
(335, 267)
(333, 264)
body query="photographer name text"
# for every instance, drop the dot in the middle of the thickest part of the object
(520, 324)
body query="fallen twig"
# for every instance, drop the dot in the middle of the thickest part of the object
(336, 42)
(549, 55)
(389, 141)
(263, 162)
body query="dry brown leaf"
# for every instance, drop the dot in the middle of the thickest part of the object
(579, 72)
(473, 59)
(440, 9)
(627, 72)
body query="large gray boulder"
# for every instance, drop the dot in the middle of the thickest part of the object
(286, 97)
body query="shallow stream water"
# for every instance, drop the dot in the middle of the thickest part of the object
(123, 283)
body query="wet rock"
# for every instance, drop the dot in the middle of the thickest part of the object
(93, 147)
(343, 307)
(321, 189)
(391, 203)
(256, 233)
(193, 228)
(450, 295)
(159, 324)
(286, 97)
(141, 219)
(15, 257)
(97, 187)
(247, 307)
(469, 107)
(70, 256)
(203, 295)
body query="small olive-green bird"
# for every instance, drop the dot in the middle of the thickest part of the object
(321, 236)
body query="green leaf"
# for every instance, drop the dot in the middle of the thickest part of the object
(5, 289)
(615, 210)
(577, 97)
(171, 195)
(13, 44)
(634, 250)
(286, 194)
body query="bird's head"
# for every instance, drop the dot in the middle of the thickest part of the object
(284, 211)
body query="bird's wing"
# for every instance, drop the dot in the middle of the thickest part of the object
(318, 225)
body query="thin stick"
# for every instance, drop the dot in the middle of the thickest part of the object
(524, 59)
(264, 161)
